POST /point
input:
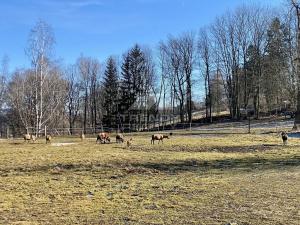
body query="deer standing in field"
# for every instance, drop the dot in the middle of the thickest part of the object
(129, 142)
(159, 138)
(48, 138)
(119, 138)
(284, 137)
(82, 136)
(28, 137)
(103, 138)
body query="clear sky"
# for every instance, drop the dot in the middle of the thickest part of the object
(99, 28)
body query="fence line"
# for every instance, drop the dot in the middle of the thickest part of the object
(60, 131)
(230, 127)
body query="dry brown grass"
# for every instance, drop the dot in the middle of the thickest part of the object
(190, 179)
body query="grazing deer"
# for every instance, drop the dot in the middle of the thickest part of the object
(33, 138)
(28, 137)
(284, 137)
(82, 136)
(103, 138)
(48, 138)
(129, 143)
(119, 138)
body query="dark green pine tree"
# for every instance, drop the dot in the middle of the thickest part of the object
(132, 81)
(111, 92)
(126, 88)
(137, 69)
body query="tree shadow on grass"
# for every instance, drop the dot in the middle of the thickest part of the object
(26, 143)
(205, 148)
(245, 164)
(172, 168)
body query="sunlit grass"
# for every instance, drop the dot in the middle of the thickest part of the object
(190, 179)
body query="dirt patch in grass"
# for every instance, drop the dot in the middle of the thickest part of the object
(61, 144)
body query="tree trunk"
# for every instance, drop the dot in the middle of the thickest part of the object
(297, 114)
(70, 121)
(189, 99)
(85, 111)
(206, 99)
(209, 93)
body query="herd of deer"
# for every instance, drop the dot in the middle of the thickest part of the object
(104, 138)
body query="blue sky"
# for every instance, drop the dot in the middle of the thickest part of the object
(99, 28)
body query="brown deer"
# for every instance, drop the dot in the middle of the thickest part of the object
(159, 138)
(48, 138)
(28, 137)
(103, 138)
(284, 137)
(119, 138)
(129, 142)
(82, 136)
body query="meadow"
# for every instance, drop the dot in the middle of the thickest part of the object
(189, 179)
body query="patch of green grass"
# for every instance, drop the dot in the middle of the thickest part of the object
(190, 179)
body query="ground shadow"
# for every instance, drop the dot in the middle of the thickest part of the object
(179, 166)
(118, 147)
(246, 164)
(25, 143)
(204, 148)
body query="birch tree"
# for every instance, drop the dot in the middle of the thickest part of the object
(40, 46)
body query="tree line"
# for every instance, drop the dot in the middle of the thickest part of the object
(244, 62)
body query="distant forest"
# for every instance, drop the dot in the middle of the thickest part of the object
(245, 61)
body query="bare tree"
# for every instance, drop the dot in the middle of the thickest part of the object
(95, 67)
(296, 6)
(89, 71)
(22, 95)
(73, 95)
(290, 22)
(205, 55)
(3, 78)
(54, 96)
(224, 32)
(187, 51)
(20, 92)
(242, 17)
(176, 75)
(40, 46)
(259, 21)
(84, 69)
(163, 78)
(235, 34)
(169, 66)
(148, 85)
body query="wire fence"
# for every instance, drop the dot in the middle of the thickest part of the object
(241, 127)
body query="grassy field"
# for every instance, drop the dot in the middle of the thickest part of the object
(190, 179)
